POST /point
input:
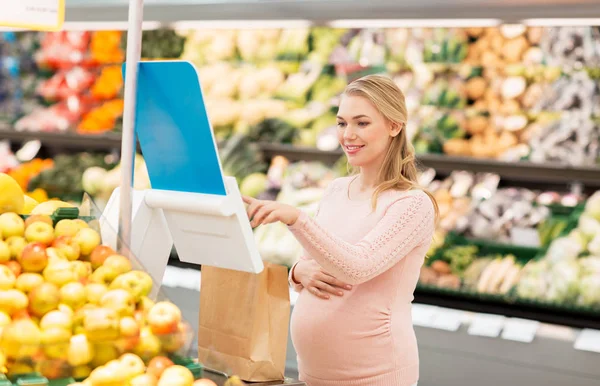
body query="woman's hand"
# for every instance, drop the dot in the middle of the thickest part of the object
(266, 212)
(318, 282)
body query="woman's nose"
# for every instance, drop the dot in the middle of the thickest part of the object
(349, 133)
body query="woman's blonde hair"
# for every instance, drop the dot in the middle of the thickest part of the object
(399, 169)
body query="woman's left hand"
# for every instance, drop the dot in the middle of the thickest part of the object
(266, 212)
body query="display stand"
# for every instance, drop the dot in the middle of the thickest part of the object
(191, 205)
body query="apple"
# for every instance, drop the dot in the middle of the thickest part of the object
(15, 267)
(120, 301)
(173, 342)
(80, 351)
(146, 304)
(103, 354)
(138, 283)
(88, 239)
(101, 275)
(176, 375)
(83, 269)
(66, 309)
(99, 255)
(205, 382)
(21, 339)
(40, 232)
(65, 227)
(81, 372)
(56, 319)
(11, 224)
(68, 246)
(164, 318)
(38, 218)
(44, 299)
(148, 346)
(54, 255)
(21, 314)
(16, 245)
(129, 331)
(28, 281)
(80, 223)
(158, 364)
(4, 252)
(4, 319)
(73, 295)
(94, 292)
(13, 301)
(132, 365)
(108, 375)
(52, 369)
(34, 257)
(117, 264)
(101, 324)
(143, 380)
(55, 341)
(7, 278)
(19, 368)
(60, 273)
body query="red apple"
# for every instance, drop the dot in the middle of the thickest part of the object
(38, 217)
(99, 254)
(68, 246)
(34, 258)
(176, 376)
(164, 318)
(15, 267)
(40, 232)
(11, 224)
(65, 227)
(4, 252)
(88, 239)
(158, 365)
(44, 299)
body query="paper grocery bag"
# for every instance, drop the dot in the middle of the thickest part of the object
(244, 321)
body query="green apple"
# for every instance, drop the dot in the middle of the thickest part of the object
(138, 283)
(80, 351)
(120, 301)
(94, 292)
(56, 319)
(40, 232)
(117, 265)
(11, 224)
(101, 275)
(4, 252)
(163, 318)
(55, 341)
(16, 245)
(73, 295)
(44, 299)
(28, 281)
(68, 246)
(34, 257)
(60, 273)
(88, 239)
(12, 301)
(66, 227)
(7, 278)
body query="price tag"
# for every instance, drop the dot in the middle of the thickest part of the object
(486, 325)
(423, 315)
(520, 330)
(588, 340)
(448, 319)
(28, 151)
(525, 236)
(43, 15)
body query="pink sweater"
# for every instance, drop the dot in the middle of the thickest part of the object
(366, 337)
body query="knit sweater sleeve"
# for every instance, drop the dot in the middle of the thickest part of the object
(407, 223)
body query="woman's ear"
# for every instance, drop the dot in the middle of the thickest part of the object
(396, 128)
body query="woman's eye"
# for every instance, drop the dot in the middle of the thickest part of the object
(363, 124)
(341, 124)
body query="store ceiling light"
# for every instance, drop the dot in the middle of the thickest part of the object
(567, 22)
(413, 23)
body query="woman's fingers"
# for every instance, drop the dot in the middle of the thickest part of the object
(321, 285)
(315, 291)
(248, 200)
(254, 207)
(327, 278)
(260, 215)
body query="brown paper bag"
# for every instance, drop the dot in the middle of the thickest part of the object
(244, 321)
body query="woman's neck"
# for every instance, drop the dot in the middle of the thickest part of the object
(367, 179)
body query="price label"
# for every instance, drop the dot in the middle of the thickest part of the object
(423, 315)
(43, 15)
(448, 319)
(486, 325)
(527, 237)
(520, 330)
(588, 340)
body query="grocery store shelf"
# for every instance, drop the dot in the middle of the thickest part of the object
(72, 141)
(520, 171)
(329, 10)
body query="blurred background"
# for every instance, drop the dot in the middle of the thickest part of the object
(504, 114)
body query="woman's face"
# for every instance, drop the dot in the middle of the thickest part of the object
(363, 131)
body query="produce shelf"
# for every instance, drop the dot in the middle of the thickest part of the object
(110, 141)
(520, 171)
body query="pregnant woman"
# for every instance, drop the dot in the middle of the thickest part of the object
(352, 323)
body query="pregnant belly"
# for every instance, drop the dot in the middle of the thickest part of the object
(336, 337)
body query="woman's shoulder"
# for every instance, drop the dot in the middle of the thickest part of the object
(417, 198)
(338, 184)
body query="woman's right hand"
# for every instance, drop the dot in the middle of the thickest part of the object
(318, 282)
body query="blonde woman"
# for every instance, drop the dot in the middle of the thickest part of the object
(352, 323)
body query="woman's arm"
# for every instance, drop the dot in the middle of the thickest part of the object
(406, 224)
